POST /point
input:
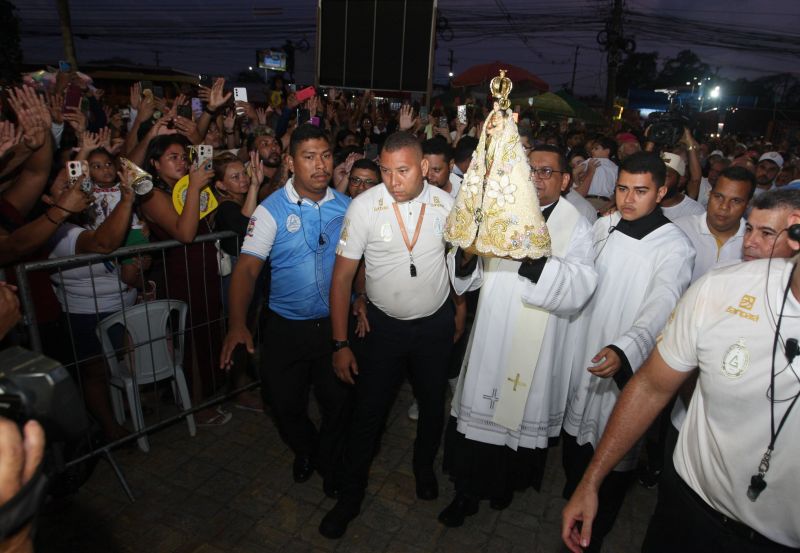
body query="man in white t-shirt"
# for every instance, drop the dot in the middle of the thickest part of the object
(397, 227)
(675, 203)
(735, 484)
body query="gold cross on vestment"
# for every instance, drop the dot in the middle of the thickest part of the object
(516, 381)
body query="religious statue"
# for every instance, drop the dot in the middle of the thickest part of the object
(496, 213)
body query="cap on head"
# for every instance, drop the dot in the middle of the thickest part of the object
(774, 157)
(674, 161)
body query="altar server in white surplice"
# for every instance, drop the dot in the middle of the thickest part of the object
(644, 263)
(513, 385)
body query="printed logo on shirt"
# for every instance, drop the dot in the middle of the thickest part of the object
(251, 226)
(380, 206)
(747, 302)
(386, 232)
(743, 314)
(736, 360)
(345, 232)
(437, 202)
(438, 226)
(293, 223)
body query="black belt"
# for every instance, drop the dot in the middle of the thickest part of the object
(736, 527)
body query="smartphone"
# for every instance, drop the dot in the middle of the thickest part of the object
(84, 104)
(185, 111)
(292, 87)
(240, 94)
(64, 66)
(423, 114)
(442, 122)
(125, 113)
(314, 121)
(462, 114)
(197, 105)
(72, 99)
(303, 115)
(201, 154)
(74, 170)
(371, 151)
(305, 94)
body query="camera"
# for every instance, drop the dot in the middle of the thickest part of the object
(666, 127)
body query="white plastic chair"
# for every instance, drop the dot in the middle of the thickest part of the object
(148, 325)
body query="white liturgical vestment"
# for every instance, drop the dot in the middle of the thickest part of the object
(565, 284)
(639, 283)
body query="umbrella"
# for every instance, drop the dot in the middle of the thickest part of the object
(483, 73)
(582, 111)
(554, 104)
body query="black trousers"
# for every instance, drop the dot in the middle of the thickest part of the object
(297, 358)
(419, 348)
(612, 491)
(684, 522)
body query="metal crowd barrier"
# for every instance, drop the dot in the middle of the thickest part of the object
(202, 332)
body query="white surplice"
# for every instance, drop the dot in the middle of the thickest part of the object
(639, 284)
(565, 284)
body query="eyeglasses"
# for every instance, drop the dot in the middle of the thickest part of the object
(544, 172)
(358, 181)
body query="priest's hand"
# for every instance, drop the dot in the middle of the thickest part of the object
(577, 517)
(607, 363)
(345, 366)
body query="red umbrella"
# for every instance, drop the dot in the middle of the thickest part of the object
(485, 72)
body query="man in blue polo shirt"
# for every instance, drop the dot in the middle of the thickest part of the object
(297, 227)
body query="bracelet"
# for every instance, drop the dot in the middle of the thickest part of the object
(210, 112)
(65, 209)
(56, 223)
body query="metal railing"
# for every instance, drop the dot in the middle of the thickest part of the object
(203, 290)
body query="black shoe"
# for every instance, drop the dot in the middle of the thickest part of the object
(500, 503)
(334, 524)
(427, 487)
(330, 488)
(461, 507)
(302, 468)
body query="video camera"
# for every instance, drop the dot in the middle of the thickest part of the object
(666, 127)
(33, 386)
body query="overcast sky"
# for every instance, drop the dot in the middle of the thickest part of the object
(221, 37)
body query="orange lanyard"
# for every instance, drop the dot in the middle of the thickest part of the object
(410, 247)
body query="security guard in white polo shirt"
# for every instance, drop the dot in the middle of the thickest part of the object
(397, 227)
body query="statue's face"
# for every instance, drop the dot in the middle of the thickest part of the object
(495, 124)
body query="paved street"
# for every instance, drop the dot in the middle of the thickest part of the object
(230, 489)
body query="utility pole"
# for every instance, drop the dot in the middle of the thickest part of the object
(158, 57)
(66, 33)
(614, 40)
(574, 67)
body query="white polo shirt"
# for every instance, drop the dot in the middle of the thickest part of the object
(709, 252)
(724, 326)
(371, 230)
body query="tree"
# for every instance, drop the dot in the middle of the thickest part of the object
(682, 68)
(9, 43)
(639, 70)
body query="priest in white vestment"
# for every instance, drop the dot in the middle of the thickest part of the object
(513, 384)
(644, 264)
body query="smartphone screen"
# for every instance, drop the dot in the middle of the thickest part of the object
(462, 114)
(72, 99)
(185, 111)
(64, 66)
(423, 113)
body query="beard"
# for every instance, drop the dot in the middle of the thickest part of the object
(273, 161)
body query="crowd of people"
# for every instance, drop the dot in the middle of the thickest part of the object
(338, 207)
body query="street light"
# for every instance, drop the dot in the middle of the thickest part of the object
(715, 92)
(449, 73)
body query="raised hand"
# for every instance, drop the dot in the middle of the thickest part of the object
(136, 95)
(9, 136)
(89, 141)
(291, 101)
(188, 128)
(262, 114)
(199, 177)
(146, 109)
(407, 120)
(76, 119)
(256, 170)
(217, 97)
(55, 105)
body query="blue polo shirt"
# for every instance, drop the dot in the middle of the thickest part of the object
(299, 237)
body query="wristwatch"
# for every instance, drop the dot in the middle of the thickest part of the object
(340, 344)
